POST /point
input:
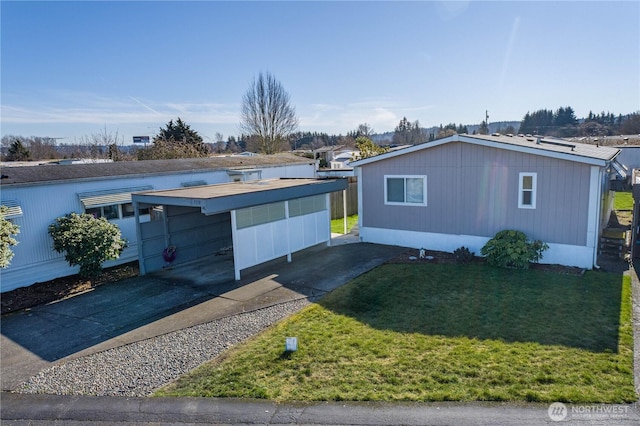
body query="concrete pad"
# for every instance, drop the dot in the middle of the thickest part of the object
(145, 307)
(254, 289)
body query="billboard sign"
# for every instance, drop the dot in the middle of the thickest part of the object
(141, 139)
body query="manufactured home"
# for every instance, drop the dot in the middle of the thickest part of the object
(461, 190)
(37, 195)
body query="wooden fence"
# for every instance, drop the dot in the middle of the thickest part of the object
(352, 200)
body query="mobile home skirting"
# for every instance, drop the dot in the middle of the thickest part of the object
(562, 254)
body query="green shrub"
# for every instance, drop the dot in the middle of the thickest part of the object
(7, 231)
(512, 249)
(463, 255)
(86, 241)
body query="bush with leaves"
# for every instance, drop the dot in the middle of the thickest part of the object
(7, 232)
(512, 249)
(463, 255)
(86, 241)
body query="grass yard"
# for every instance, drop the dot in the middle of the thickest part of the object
(623, 200)
(337, 225)
(434, 332)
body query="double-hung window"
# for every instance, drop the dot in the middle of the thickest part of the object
(410, 190)
(527, 189)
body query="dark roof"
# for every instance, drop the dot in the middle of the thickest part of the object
(54, 172)
(223, 197)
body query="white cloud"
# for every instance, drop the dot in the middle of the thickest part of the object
(381, 114)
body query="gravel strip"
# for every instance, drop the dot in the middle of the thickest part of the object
(140, 368)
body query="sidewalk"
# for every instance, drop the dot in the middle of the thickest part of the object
(59, 410)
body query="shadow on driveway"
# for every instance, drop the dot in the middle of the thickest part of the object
(186, 295)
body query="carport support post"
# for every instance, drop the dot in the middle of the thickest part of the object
(235, 244)
(328, 203)
(141, 265)
(286, 215)
(344, 209)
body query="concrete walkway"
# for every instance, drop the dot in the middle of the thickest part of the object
(20, 409)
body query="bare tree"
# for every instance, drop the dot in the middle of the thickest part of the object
(104, 144)
(220, 145)
(365, 129)
(267, 113)
(39, 148)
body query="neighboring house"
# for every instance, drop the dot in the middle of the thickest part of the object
(630, 158)
(462, 190)
(37, 195)
(330, 153)
(344, 159)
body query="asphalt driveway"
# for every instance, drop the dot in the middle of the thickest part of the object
(143, 307)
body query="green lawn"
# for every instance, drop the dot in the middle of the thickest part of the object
(623, 201)
(337, 225)
(422, 332)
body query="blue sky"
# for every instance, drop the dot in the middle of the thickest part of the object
(71, 69)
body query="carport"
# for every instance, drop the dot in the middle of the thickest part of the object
(258, 220)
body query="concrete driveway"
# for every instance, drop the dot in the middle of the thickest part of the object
(143, 307)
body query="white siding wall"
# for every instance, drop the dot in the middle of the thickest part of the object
(35, 261)
(261, 243)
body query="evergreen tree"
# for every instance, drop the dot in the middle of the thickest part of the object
(484, 128)
(176, 140)
(407, 133)
(18, 152)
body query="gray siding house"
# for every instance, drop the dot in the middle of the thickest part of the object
(462, 190)
(36, 195)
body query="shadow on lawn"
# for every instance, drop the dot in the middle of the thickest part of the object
(478, 301)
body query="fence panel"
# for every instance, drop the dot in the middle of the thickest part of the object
(352, 201)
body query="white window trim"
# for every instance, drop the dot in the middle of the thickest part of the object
(405, 177)
(534, 190)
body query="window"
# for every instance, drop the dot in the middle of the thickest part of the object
(112, 203)
(406, 190)
(259, 215)
(307, 205)
(114, 211)
(527, 191)
(128, 210)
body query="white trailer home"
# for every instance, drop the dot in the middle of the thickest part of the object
(37, 195)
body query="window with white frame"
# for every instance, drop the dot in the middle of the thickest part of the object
(410, 190)
(527, 189)
(115, 211)
(112, 204)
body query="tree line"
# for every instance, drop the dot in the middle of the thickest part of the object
(269, 124)
(564, 123)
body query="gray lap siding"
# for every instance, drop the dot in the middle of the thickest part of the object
(473, 190)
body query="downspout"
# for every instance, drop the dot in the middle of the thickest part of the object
(358, 173)
(598, 214)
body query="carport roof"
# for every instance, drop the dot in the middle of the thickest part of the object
(224, 197)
